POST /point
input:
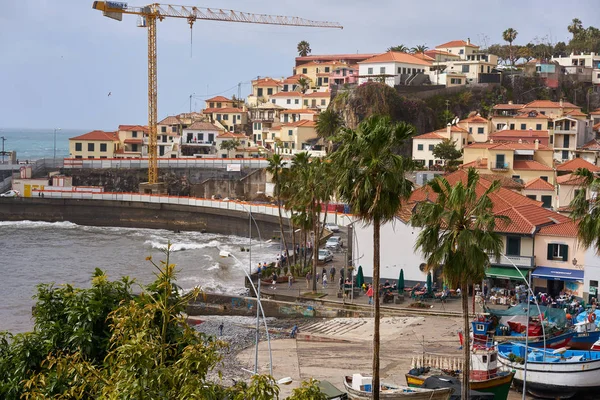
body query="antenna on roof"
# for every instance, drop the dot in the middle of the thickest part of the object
(455, 120)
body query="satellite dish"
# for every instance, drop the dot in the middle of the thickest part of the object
(455, 121)
(505, 128)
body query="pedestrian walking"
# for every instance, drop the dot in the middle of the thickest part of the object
(332, 273)
(290, 279)
(221, 329)
(370, 294)
(308, 279)
(325, 280)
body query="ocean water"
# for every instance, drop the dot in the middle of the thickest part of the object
(63, 252)
(33, 144)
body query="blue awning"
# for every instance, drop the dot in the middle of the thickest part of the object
(558, 274)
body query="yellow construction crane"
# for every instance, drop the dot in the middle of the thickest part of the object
(148, 16)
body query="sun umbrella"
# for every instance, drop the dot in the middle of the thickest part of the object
(401, 282)
(360, 279)
(429, 287)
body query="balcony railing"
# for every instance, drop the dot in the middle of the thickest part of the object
(500, 166)
(560, 131)
(519, 261)
(198, 143)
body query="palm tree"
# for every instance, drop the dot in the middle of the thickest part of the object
(400, 48)
(275, 168)
(303, 48)
(575, 27)
(509, 36)
(419, 49)
(329, 123)
(230, 145)
(458, 235)
(371, 179)
(587, 211)
(303, 84)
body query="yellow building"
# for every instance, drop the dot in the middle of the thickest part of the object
(318, 72)
(318, 100)
(95, 144)
(521, 161)
(478, 127)
(231, 119)
(132, 140)
(533, 120)
(220, 102)
(294, 137)
(460, 48)
(423, 145)
(540, 190)
(262, 90)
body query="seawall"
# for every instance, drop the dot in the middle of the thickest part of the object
(136, 215)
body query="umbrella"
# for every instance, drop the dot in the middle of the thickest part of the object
(360, 279)
(401, 282)
(429, 287)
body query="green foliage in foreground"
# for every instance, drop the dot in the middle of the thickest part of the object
(106, 343)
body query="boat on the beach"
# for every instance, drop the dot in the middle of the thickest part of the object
(485, 375)
(585, 333)
(359, 388)
(553, 374)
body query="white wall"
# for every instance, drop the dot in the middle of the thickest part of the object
(591, 269)
(282, 101)
(397, 242)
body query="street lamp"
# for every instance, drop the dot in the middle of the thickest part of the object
(3, 153)
(55, 129)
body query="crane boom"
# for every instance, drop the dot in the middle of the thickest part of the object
(153, 12)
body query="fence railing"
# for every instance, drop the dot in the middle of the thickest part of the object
(215, 163)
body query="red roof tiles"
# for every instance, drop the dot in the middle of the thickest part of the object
(549, 104)
(302, 123)
(575, 164)
(592, 145)
(508, 106)
(570, 180)
(131, 128)
(170, 120)
(475, 119)
(563, 229)
(539, 184)
(225, 110)
(266, 82)
(516, 134)
(319, 94)
(430, 135)
(531, 166)
(395, 56)
(526, 219)
(98, 136)
(456, 43)
(203, 126)
(287, 94)
(220, 98)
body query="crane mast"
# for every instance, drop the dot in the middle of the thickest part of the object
(152, 13)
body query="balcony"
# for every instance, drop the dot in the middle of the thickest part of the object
(198, 143)
(500, 166)
(519, 261)
(558, 130)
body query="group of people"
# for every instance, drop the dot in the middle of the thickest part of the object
(326, 278)
(386, 291)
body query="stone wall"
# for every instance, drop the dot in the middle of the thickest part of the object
(250, 187)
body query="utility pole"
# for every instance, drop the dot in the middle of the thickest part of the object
(3, 152)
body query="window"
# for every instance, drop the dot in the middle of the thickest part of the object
(523, 127)
(290, 132)
(90, 146)
(134, 147)
(304, 70)
(558, 252)
(576, 192)
(532, 196)
(480, 131)
(547, 201)
(225, 117)
(272, 136)
(174, 129)
(323, 102)
(370, 71)
(499, 127)
(420, 147)
(470, 130)
(465, 68)
(382, 70)
(325, 80)
(326, 69)
(512, 127)
(90, 156)
(296, 101)
(431, 147)
(78, 146)
(461, 51)
(516, 176)
(544, 178)
(404, 70)
(538, 127)
(103, 157)
(163, 129)
(289, 101)
(103, 147)
(134, 134)
(219, 104)
(306, 103)
(399, 70)
(565, 154)
(513, 246)
(78, 157)
(273, 101)
(211, 137)
(211, 105)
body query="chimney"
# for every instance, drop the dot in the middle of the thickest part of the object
(491, 141)
(510, 102)
(468, 40)
(449, 131)
(561, 102)
(537, 144)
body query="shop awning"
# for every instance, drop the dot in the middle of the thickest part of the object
(506, 273)
(558, 274)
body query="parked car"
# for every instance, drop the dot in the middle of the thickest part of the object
(332, 227)
(334, 243)
(11, 193)
(325, 255)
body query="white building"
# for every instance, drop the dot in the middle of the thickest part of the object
(288, 100)
(393, 68)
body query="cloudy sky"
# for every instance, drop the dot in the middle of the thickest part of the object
(59, 59)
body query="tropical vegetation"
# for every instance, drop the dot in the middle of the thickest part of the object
(303, 48)
(457, 235)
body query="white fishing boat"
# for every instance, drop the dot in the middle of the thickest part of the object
(554, 374)
(359, 388)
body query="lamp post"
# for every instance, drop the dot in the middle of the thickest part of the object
(3, 153)
(55, 129)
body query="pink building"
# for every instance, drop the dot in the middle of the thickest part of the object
(343, 75)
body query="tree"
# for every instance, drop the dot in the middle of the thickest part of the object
(370, 178)
(275, 168)
(458, 236)
(509, 36)
(329, 123)
(575, 27)
(419, 49)
(230, 145)
(525, 52)
(308, 391)
(303, 84)
(446, 150)
(586, 209)
(500, 51)
(303, 48)
(400, 48)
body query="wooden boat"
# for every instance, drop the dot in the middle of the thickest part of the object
(552, 374)
(359, 388)
(485, 375)
(585, 335)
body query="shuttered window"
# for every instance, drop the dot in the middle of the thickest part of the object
(558, 252)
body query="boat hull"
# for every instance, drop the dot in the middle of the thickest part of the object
(499, 386)
(584, 340)
(553, 342)
(414, 394)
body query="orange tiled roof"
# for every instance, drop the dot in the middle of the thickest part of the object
(299, 111)
(430, 135)
(508, 106)
(576, 113)
(423, 57)
(130, 128)
(395, 56)
(224, 110)
(595, 112)
(593, 145)
(220, 98)
(440, 52)
(301, 123)
(287, 94)
(577, 163)
(539, 184)
(505, 181)
(475, 119)
(318, 94)
(481, 164)
(596, 127)
(456, 43)
(526, 219)
(508, 146)
(203, 126)
(133, 141)
(294, 78)
(532, 114)
(570, 180)
(98, 136)
(231, 135)
(170, 120)
(516, 134)
(549, 104)
(564, 229)
(266, 82)
(531, 166)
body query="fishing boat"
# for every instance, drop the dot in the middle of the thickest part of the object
(359, 388)
(585, 333)
(552, 374)
(485, 375)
